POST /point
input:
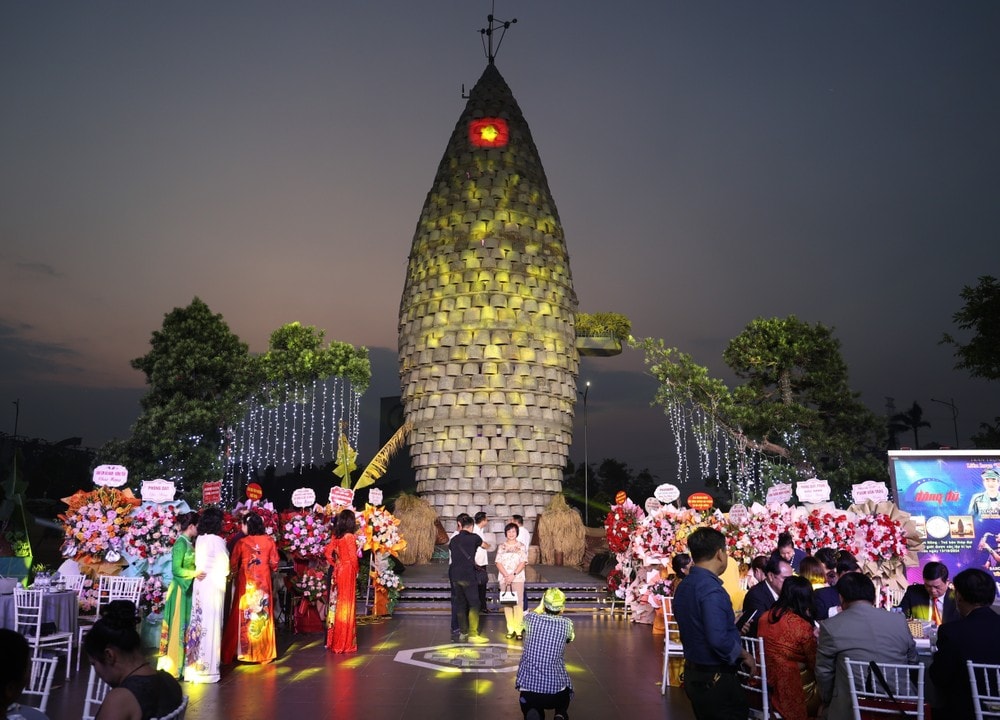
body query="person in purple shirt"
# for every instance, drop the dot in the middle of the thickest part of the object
(707, 624)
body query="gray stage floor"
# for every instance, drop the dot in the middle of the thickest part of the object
(407, 667)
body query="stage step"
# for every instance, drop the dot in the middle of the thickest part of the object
(436, 597)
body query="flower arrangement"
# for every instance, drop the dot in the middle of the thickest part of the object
(686, 521)
(879, 537)
(615, 579)
(759, 534)
(381, 531)
(621, 523)
(152, 531)
(231, 519)
(154, 596)
(823, 528)
(304, 534)
(96, 522)
(311, 584)
(88, 595)
(387, 578)
(655, 539)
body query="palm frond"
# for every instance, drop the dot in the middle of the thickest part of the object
(380, 462)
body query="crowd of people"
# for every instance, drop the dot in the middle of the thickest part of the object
(468, 574)
(812, 619)
(810, 611)
(197, 636)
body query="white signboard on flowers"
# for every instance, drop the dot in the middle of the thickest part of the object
(110, 475)
(780, 493)
(738, 514)
(813, 490)
(303, 497)
(375, 496)
(869, 490)
(652, 505)
(667, 493)
(158, 491)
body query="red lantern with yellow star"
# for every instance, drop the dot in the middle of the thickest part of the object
(489, 133)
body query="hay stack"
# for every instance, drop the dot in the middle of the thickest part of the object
(561, 534)
(417, 525)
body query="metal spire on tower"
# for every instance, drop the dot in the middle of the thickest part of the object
(487, 33)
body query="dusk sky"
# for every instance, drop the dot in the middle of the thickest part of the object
(711, 162)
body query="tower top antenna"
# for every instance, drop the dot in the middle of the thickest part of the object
(488, 32)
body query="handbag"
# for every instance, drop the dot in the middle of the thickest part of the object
(508, 596)
(877, 706)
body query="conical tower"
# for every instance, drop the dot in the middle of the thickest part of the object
(487, 353)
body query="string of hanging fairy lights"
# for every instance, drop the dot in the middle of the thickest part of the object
(746, 472)
(297, 430)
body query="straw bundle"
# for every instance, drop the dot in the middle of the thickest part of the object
(417, 524)
(561, 534)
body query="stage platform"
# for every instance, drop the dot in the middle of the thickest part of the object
(407, 667)
(426, 588)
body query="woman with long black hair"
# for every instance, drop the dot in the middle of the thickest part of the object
(203, 645)
(249, 631)
(789, 633)
(177, 610)
(342, 554)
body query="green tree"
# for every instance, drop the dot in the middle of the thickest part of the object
(988, 436)
(981, 315)
(296, 353)
(603, 324)
(794, 405)
(912, 419)
(199, 373)
(602, 484)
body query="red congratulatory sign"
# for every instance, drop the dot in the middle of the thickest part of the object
(211, 493)
(700, 501)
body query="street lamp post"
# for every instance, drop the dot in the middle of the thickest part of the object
(586, 460)
(954, 415)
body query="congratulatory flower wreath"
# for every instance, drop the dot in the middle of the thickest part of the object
(95, 525)
(881, 536)
(304, 534)
(311, 585)
(621, 523)
(152, 531)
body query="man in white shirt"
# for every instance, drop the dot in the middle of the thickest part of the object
(482, 559)
(523, 535)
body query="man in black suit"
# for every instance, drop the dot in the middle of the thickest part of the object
(763, 595)
(932, 600)
(975, 637)
(462, 573)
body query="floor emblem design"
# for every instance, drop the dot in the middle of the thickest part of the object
(455, 657)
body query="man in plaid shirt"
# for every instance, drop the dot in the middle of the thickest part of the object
(541, 674)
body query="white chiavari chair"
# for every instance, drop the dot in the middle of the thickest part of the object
(28, 618)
